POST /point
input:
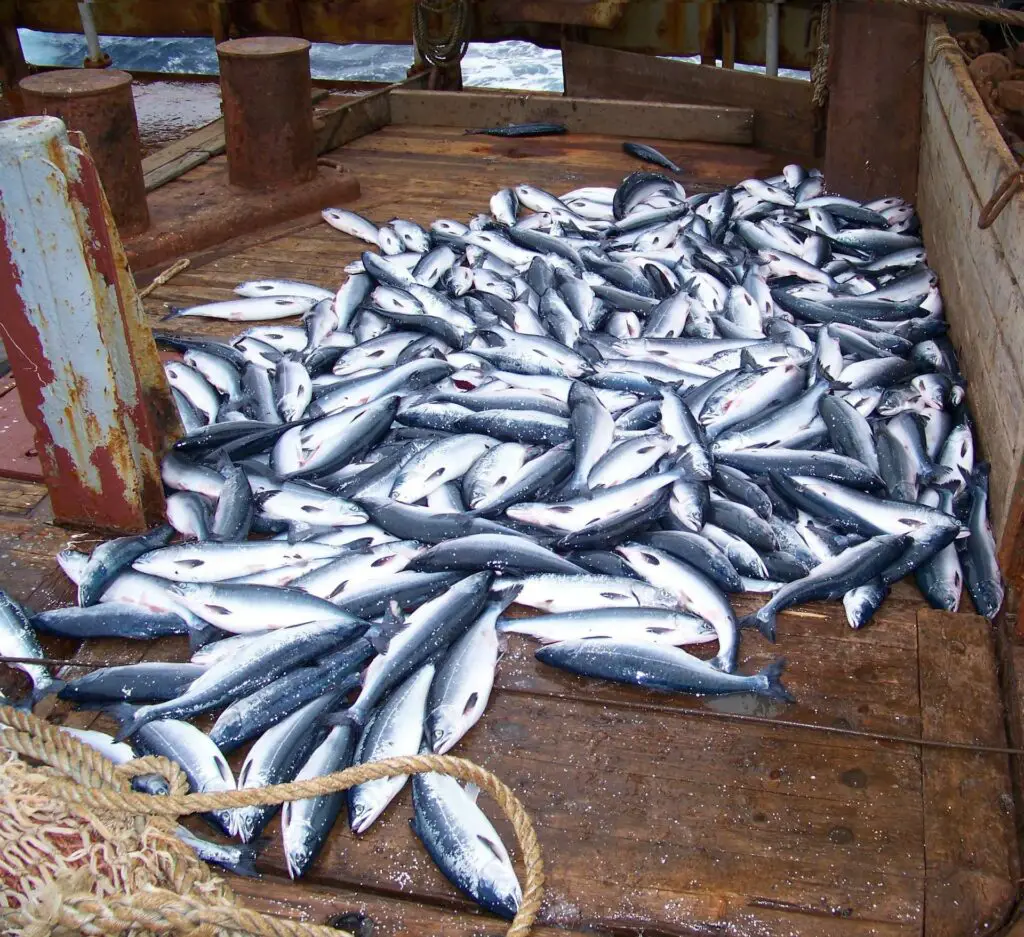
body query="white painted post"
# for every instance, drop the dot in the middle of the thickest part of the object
(83, 358)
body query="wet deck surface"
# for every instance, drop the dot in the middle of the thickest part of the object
(653, 812)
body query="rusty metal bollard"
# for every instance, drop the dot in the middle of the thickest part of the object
(87, 370)
(99, 103)
(268, 115)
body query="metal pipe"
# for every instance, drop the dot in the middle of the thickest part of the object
(96, 58)
(771, 39)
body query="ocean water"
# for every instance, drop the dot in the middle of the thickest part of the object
(510, 64)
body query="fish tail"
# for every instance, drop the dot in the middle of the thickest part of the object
(199, 637)
(247, 856)
(763, 620)
(503, 598)
(347, 717)
(773, 681)
(132, 719)
(173, 312)
(725, 660)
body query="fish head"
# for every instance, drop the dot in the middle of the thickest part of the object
(366, 803)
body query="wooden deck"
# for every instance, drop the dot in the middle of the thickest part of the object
(654, 813)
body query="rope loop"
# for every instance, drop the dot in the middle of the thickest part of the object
(91, 781)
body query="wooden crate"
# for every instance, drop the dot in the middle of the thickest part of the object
(963, 159)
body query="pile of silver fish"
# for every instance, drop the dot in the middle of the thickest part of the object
(613, 407)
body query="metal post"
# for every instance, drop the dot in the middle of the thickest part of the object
(90, 380)
(771, 39)
(268, 118)
(728, 13)
(99, 104)
(96, 58)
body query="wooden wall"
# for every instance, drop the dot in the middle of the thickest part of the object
(784, 117)
(963, 158)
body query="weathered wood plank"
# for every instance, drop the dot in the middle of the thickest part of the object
(985, 161)
(874, 106)
(986, 156)
(390, 917)
(783, 113)
(466, 109)
(19, 497)
(971, 867)
(367, 113)
(985, 308)
(178, 157)
(667, 819)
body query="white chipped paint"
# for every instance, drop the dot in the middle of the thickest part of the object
(66, 300)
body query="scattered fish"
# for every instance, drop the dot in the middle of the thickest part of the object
(650, 155)
(521, 130)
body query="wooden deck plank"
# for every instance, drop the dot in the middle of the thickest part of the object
(972, 867)
(670, 818)
(19, 497)
(389, 917)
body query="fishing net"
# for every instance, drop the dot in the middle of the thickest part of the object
(81, 853)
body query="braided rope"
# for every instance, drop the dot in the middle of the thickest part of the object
(93, 781)
(450, 46)
(819, 71)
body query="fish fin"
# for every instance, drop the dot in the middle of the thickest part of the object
(299, 531)
(54, 686)
(472, 791)
(747, 361)
(773, 677)
(394, 621)
(763, 622)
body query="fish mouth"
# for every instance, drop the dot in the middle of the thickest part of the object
(363, 822)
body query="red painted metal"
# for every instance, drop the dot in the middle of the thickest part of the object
(99, 103)
(268, 119)
(87, 369)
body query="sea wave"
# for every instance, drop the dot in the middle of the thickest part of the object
(511, 64)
